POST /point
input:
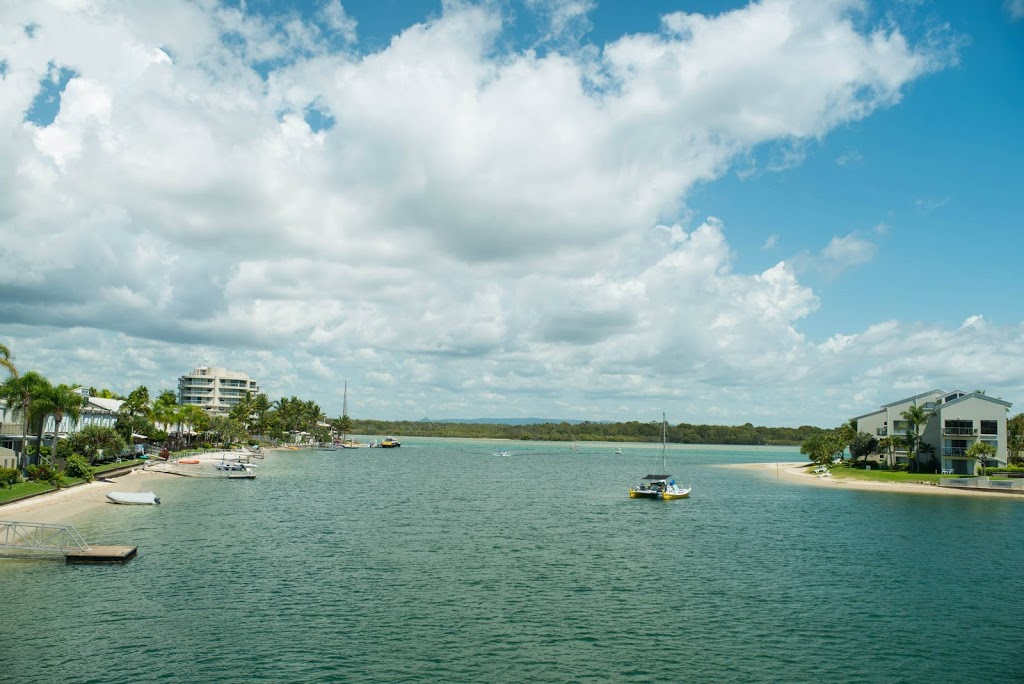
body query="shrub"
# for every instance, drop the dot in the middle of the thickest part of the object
(44, 473)
(78, 467)
(9, 476)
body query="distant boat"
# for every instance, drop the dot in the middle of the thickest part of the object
(389, 443)
(618, 450)
(346, 442)
(133, 498)
(661, 485)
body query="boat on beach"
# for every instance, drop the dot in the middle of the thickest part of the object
(133, 498)
(659, 485)
(231, 464)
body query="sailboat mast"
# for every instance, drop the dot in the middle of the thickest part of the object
(344, 412)
(663, 466)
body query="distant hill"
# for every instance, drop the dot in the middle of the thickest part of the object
(505, 421)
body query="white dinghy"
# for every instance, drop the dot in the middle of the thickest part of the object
(133, 498)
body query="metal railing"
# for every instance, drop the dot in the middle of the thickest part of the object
(31, 536)
(960, 431)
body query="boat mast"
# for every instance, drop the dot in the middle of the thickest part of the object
(344, 413)
(663, 466)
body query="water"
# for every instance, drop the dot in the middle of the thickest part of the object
(442, 562)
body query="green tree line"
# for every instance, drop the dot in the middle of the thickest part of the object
(630, 431)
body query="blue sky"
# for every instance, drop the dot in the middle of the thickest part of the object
(786, 212)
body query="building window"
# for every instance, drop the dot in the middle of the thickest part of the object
(990, 427)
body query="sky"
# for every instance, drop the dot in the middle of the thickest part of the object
(787, 212)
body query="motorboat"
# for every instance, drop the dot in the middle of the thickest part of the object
(659, 486)
(133, 498)
(389, 443)
(237, 471)
(618, 451)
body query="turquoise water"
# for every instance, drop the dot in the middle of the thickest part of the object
(442, 562)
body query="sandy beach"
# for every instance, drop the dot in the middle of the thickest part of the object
(801, 474)
(65, 505)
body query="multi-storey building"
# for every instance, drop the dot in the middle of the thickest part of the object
(955, 421)
(215, 390)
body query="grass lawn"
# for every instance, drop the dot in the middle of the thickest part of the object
(885, 475)
(23, 489)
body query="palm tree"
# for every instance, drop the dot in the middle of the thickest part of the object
(137, 404)
(915, 417)
(5, 361)
(58, 402)
(20, 392)
(194, 419)
(888, 443)
(261, 404)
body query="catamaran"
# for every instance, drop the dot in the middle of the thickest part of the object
(659, 485)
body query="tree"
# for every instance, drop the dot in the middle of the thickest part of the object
(194, 419)
(90, 440)
(136, 405)
(59, 401)
(1015, 439)
(887, 445)
(862, 445)
(823, 448)
(20, 392)
(981, 452)
(6, 362)
(916, 417)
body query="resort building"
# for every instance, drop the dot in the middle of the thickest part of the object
(94, 411)
(215, 390)
(955, 421)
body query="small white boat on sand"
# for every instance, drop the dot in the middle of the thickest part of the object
(133, 498)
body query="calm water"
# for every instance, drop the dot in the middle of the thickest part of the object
(442, 562)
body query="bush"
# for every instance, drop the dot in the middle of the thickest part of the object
(78, 467)
(44, 473)
(9, 476)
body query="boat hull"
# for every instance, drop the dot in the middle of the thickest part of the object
(133, 498)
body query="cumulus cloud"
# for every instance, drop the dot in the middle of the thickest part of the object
(477, 220)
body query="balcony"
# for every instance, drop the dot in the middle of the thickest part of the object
(954, 451)
(959, 432)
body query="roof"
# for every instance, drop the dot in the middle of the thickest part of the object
(655, 477)
(106, 404)
(873, 413)
(914, 398)
(975, 395)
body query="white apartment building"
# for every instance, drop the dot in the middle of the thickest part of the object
(215, 390)
(956, 420)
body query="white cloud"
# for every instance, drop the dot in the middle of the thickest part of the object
(477, 224)
(849, 158)
(335, 17)
(929, 205)
(847, 251)
(1015, 8)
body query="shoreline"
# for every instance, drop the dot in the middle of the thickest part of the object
(799, 474)
(63, 506)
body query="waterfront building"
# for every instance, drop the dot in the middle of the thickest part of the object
(955, 421)
(10, 437)
(215, 390)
